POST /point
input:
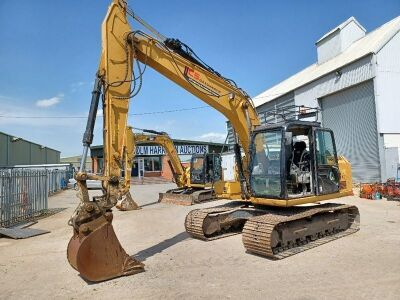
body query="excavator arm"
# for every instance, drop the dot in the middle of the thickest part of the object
(169, 59)
(121, 48)
(162, 139)
(94, 249)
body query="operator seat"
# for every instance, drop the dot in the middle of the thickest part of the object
(301, 157)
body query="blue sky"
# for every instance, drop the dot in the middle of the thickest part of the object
(49, 53)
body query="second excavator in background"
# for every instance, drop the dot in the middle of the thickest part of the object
(195, 182)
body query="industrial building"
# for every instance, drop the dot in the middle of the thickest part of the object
(75, 161)
(17, 151)
(356, 84)
(151, 161)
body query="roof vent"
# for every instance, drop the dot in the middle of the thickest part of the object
(339, 39)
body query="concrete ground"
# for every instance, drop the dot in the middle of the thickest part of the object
(365, 265)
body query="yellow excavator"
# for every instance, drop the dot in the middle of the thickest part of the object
(195, 183)
(284, 169)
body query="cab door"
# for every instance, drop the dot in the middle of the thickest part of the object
(197, 169)
(213, 168)
(327, 176)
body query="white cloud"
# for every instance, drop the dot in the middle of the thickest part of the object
(15, 113)
(215, 137)
(76, 86)
(49, 102)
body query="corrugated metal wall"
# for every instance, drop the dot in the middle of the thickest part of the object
(229, 128)
(387, 86)
(352, 117)
(285, 100)
(263, 110)
(359, 71)
(22, 152)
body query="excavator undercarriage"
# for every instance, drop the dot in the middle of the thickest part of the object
(274, 232)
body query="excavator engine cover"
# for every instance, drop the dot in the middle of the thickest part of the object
(95, 252)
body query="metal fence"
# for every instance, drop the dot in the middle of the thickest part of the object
(24, 192)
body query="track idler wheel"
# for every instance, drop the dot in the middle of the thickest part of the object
(95, 252)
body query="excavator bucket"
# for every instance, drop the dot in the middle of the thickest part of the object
(127, 203)
(96, 253)
(181, 197)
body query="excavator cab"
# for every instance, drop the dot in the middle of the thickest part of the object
(205, 168)
(293, 159)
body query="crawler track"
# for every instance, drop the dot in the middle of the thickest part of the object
(285, 232)
(274, 232)
(198, 219)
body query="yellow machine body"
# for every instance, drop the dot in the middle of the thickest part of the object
(121, 48)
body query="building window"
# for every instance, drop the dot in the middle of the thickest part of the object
(152, 164)
(100, 164)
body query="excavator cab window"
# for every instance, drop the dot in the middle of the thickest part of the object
(299, 177)
(197, 169)
(266, 167)
(213, 168)
(205, 168)
(296, 159)
(327, 168)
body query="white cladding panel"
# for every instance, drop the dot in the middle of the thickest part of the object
(392, 162)
(388, 86)
(350, 33)
(329, 47)
(352, 74)
(351, 115)
(228, 166)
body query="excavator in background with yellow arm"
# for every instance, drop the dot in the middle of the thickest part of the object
(284, 169)
(195, 183)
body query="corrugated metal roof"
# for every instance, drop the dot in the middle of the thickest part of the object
(33, 143)
(373, 42)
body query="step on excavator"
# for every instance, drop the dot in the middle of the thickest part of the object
(285, 170)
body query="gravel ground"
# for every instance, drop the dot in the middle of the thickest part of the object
(365, 265)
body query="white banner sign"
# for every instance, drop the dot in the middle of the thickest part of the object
(181, 149)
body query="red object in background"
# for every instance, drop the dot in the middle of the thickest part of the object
(367, 190)
(392, 190)
(389, 190)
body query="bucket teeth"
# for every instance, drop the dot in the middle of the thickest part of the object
(97, 255)
(127, 203)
